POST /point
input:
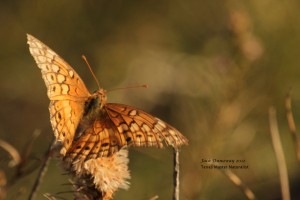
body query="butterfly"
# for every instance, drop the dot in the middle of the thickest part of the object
(86, 126)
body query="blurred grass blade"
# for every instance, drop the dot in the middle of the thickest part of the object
(41, 173)
(291, 123)
(16, 158)
(239, 183)
(154, 198)
(281, 163)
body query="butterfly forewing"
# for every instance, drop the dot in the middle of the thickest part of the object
(66, 91)
(61, 79)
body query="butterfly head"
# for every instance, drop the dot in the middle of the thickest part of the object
(101, 96)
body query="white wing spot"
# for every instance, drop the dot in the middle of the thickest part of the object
(39, 45)
(146, 128)
(161, 123)
(122, 128)
(53, 122)
(71, 73)
(63, 151)
(172, 132)
(48, 54)
(32, 51)
(49, 60)
(44, 67)
(64, 89)
(61, 78)
(133, 113)
(55, 68)
(158, 127)
(134, 127)
(36, 51)
(55, 133)
(41, 59)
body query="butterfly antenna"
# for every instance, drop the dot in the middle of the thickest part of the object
(89, 66)
(129, 87)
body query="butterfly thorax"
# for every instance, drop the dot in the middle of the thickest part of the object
(101, 97)
(94, 104)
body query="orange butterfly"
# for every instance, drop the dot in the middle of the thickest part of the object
(84, 123)
(91, 132)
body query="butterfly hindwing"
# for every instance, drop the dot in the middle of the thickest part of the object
(141, 128)
(100, 139)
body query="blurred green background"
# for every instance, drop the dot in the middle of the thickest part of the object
(213, 69)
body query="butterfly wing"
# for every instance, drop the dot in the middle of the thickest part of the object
(100, 139)
(121, 125)
(65, 89)
(142, 129)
